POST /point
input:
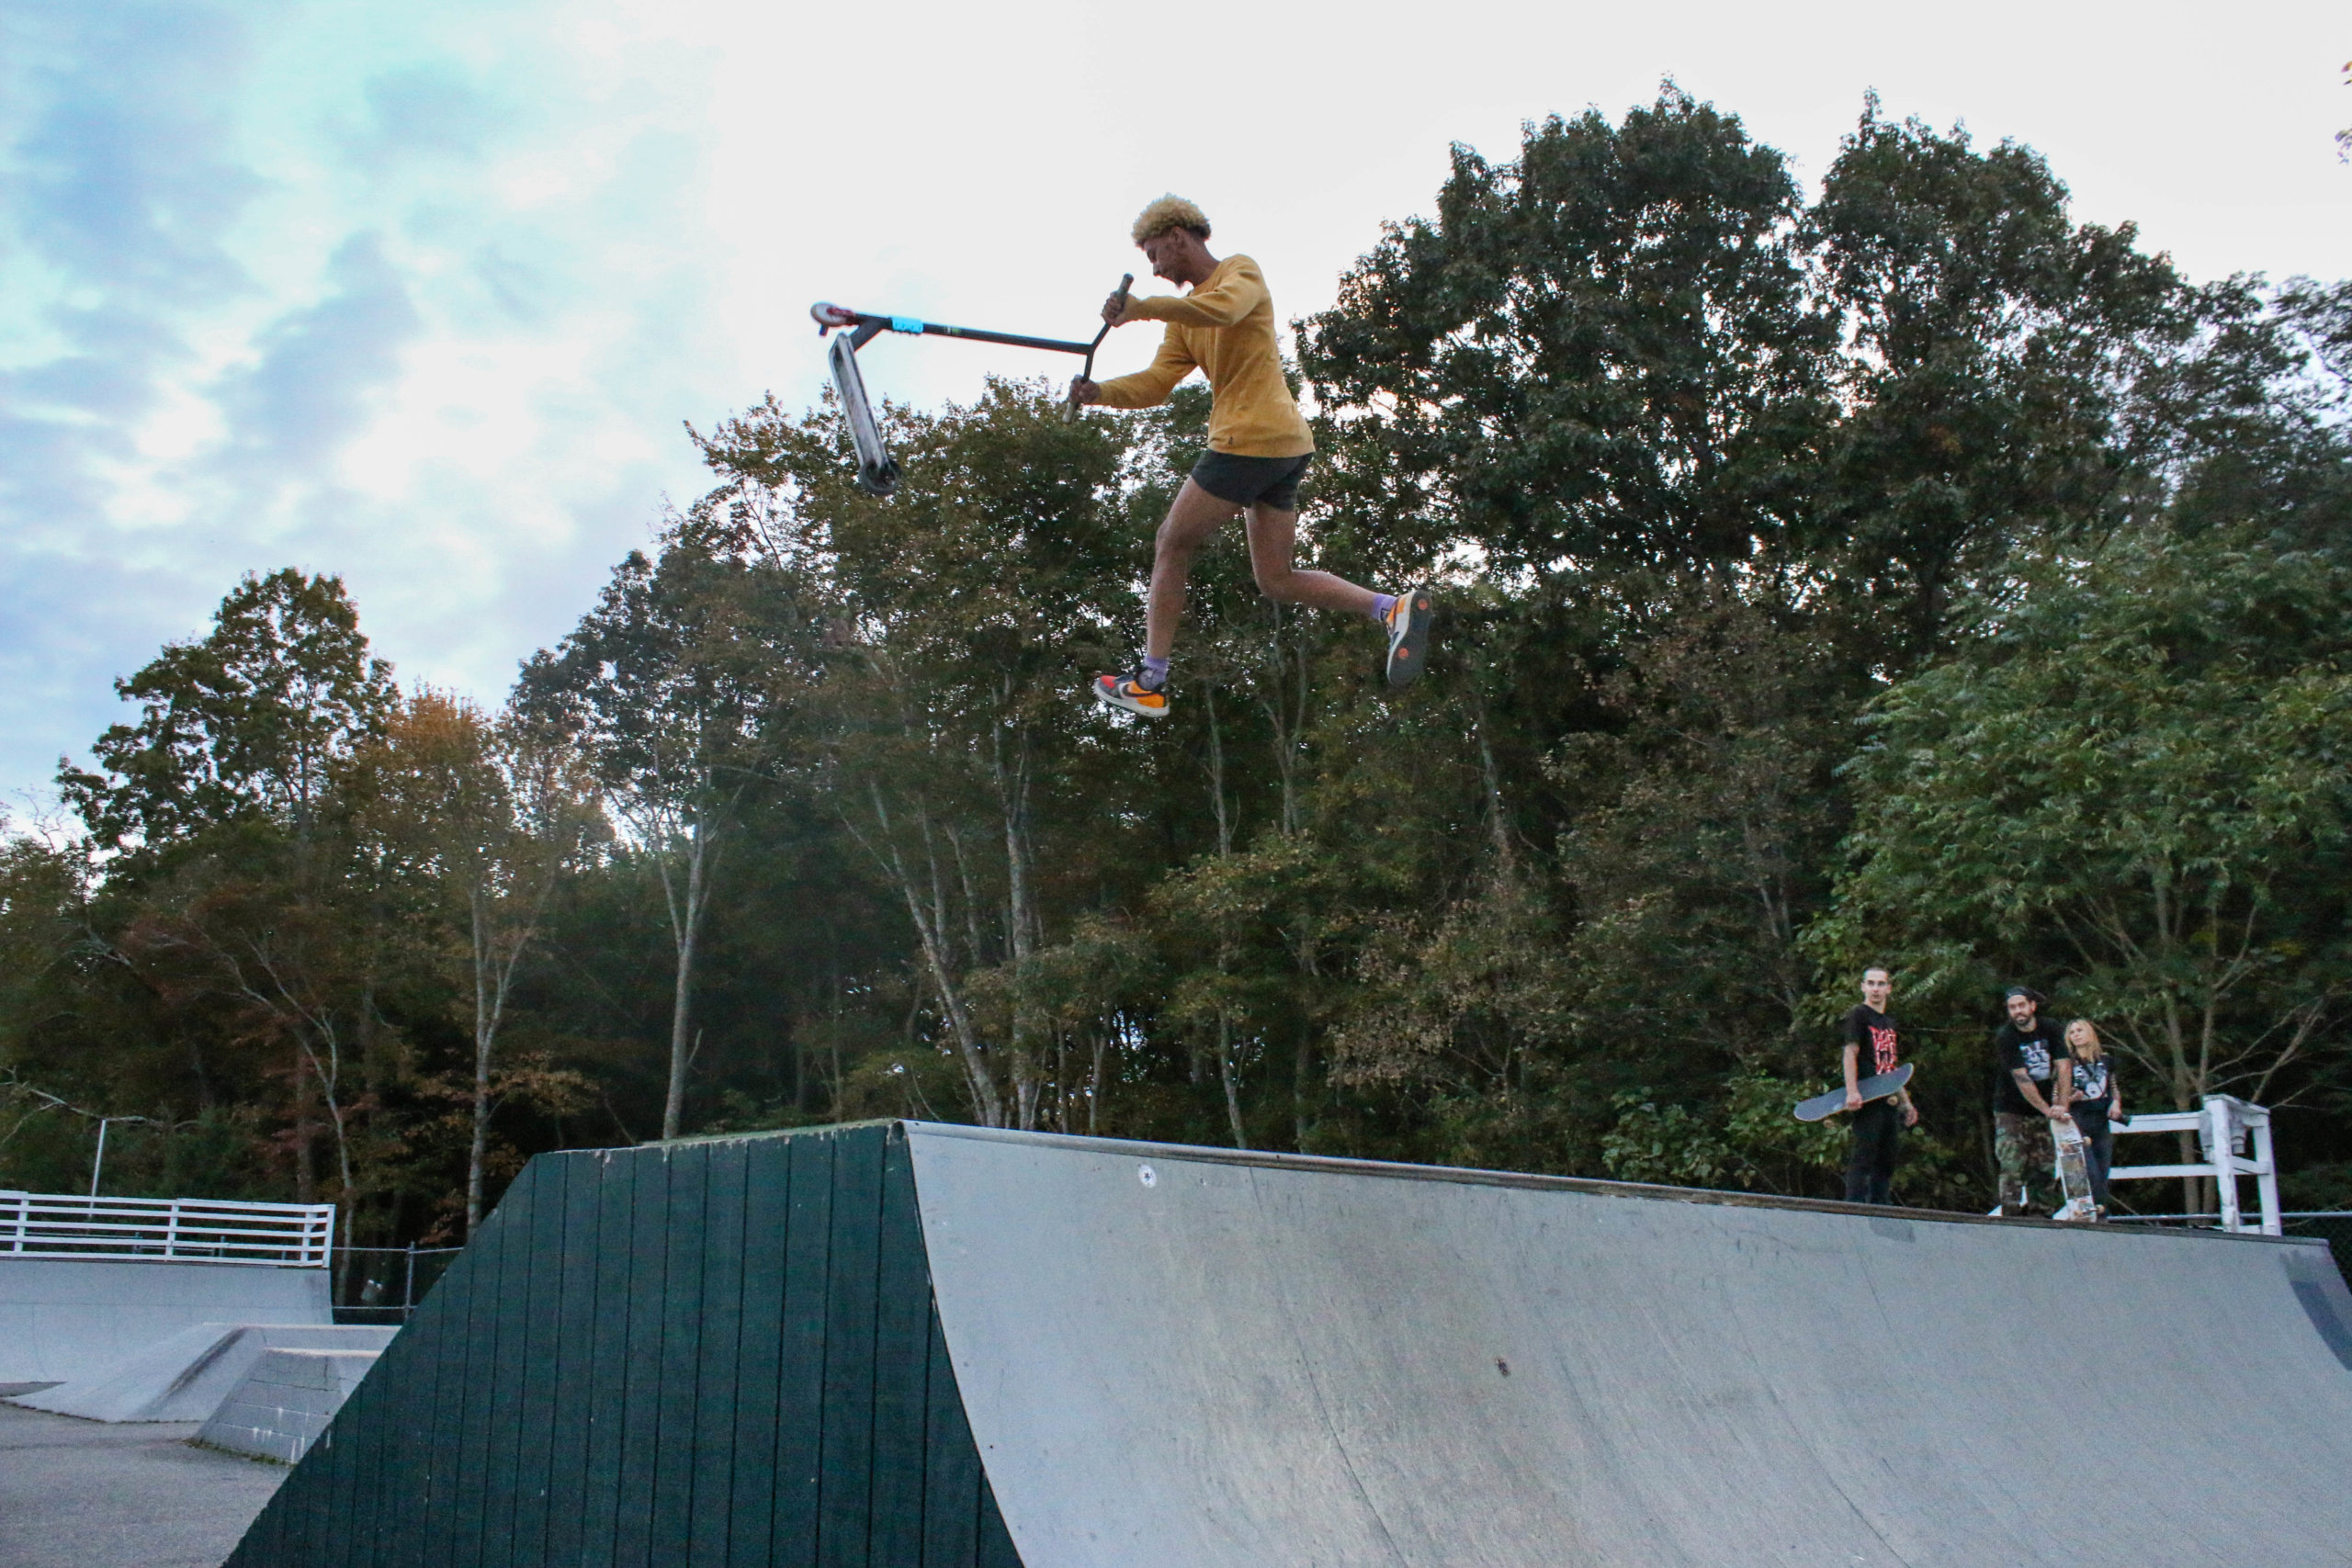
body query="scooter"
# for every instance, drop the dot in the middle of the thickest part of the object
(877, 471)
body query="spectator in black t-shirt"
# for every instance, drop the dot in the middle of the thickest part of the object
(2032, 1092)
(2097, 1103)
(1872, 1047)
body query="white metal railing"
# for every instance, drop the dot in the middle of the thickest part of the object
(2224, 1125)
(210, 1230)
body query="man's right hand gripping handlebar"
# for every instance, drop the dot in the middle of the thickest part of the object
(1082, 387)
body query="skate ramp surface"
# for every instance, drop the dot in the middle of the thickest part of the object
(1174, 1358)
(70, 1319)
(186, 1375)
(900, 1345)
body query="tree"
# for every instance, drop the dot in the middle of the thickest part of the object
(244, 892)
(2135, 774)
(2344, 137)
(251, 719)
(680, 692)
(1992, 345)
(1705, 818)
(1599, 356)
(495, 812)
(968, 610)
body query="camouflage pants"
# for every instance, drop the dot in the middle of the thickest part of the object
(2028, 1160)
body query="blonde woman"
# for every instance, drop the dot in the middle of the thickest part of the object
(2096, 1103)
(1258, 449)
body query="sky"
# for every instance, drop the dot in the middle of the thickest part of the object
(424, 294)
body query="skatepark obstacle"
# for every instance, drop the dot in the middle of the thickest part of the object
(186, 1375)
(911, 1344)
(87, 1283)
(283, 1401)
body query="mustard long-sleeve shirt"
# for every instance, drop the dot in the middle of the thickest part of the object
(1224, 327)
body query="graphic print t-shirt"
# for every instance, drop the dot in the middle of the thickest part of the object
(2097, 1081)
(1874, 1034)
(2034, 1050)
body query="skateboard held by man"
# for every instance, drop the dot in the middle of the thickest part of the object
(2074, 1175)
(1821, 1107)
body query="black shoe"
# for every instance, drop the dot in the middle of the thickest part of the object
(1408, 634)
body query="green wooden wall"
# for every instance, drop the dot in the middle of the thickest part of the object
(715, 1352)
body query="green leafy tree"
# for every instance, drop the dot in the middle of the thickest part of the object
(2137, 771)
(253, 718)
(1991, 343)
(493, 812)
(970, 610)
(1600, 355)
(246, 898)
(679, 691)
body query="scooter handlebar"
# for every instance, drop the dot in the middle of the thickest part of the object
(1070, 408)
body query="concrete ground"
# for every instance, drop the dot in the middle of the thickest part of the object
(81, 1494)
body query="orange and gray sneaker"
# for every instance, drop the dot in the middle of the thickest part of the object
(1129, 694)
(1408, 634)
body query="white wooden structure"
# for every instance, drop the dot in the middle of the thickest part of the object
(2225, 1127)
(206, 1230)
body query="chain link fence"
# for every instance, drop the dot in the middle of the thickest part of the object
(384, 1283)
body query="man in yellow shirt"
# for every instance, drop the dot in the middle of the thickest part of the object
(1259, 448)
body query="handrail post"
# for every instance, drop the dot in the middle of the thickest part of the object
(2220, 1131)
(2266, 1175)
(408, 1286)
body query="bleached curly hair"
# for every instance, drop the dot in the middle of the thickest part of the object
(1169, 212)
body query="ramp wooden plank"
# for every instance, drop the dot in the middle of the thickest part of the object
(679, 1356)
(846, 1492)
(711, 1433)
(767, 1215)
(800, 1402)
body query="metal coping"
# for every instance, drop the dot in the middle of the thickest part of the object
(1335, 1165)
(1463, 1175)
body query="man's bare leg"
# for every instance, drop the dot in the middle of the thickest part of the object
(1274, 547)
(1192, 521)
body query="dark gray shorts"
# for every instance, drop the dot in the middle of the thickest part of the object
(1245, 481)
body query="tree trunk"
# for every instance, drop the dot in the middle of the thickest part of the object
(931, 937)
(1012, 799)
(1094, 1083)
(485, 1029)
(688, 933)
(1288, 721)
(1302, 1079)
(1498, 823)
(1224, 1070)
(306, 1165)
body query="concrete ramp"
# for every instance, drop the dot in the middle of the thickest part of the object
(185, 1376)
(1178, 1357)
(900, 1344)
(71, 1319)
(284, 1401)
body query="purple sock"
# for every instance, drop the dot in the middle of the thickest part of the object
(1380, 604)
(1155, 674)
